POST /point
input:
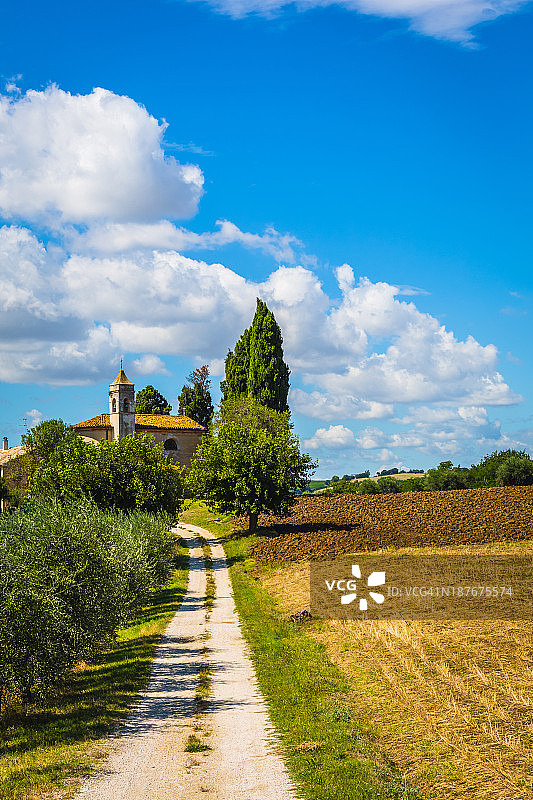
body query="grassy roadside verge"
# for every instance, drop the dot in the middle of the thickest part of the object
(328, 751)
(46, 749)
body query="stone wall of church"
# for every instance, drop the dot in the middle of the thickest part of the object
(186, 442)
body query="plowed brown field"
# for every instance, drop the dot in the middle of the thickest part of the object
(327, 526)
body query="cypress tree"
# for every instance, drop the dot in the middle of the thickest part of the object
(268, 375)
(256, 367)
(237, 366)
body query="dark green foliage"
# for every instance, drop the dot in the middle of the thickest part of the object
(248, 412)
(268, 376)
(413, 484)
(42, 440)
(237, 367)
(68, 577)
(446, 476)
(515, 471)
(256, 367)
(247, 470)
(196, 405)
(5, 494)
(385, 485)
(150, 401)
(388, 484)
(343, 487)
(367, 487)
(129, 473)
(195, 399)
(484, 473)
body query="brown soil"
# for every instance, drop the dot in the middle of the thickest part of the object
(323, 527)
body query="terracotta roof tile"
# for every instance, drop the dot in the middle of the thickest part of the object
(12, 452)
(101, 421)
(177, 422)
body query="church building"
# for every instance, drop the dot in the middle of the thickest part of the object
(179, 435)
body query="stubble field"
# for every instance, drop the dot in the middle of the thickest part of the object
(449, 702)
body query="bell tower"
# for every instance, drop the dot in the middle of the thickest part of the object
(122, 406)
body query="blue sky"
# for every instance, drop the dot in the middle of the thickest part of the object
(365, 167)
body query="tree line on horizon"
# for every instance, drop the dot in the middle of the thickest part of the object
(500, 468)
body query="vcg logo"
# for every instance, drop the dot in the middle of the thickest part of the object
(348, 588)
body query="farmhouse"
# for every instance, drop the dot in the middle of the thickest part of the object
(179, 435)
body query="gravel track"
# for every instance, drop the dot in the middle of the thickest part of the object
(146, 757)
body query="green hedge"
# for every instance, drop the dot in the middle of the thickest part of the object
(69, 576)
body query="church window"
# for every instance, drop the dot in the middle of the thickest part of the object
(170, 444)
(126, 405)
(114, 406)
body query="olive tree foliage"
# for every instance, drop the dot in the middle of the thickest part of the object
(150, 401)
(245, 469)
(256, 367)
(128, 473)
(195, 398)
(69, 576)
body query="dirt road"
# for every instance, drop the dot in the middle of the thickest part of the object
(147, 758)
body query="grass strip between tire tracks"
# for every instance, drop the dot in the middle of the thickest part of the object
(47, 749)
(328, 752)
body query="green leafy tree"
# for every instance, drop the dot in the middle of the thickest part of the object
(515, 471)
(150, 401)
(128, 473)
(485, 473)
(388, 485)
(413, 485)
(367, 487)
(256, 367)
(195, 398)
(248, 412)
(40, 442)
(268, 376)
(237, 367)
(447, 477)
(242, 469)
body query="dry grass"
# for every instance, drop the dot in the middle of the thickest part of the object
(451, 703)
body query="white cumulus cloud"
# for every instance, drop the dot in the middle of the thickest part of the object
(77, 158)
(336, 436)
(121, 237)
